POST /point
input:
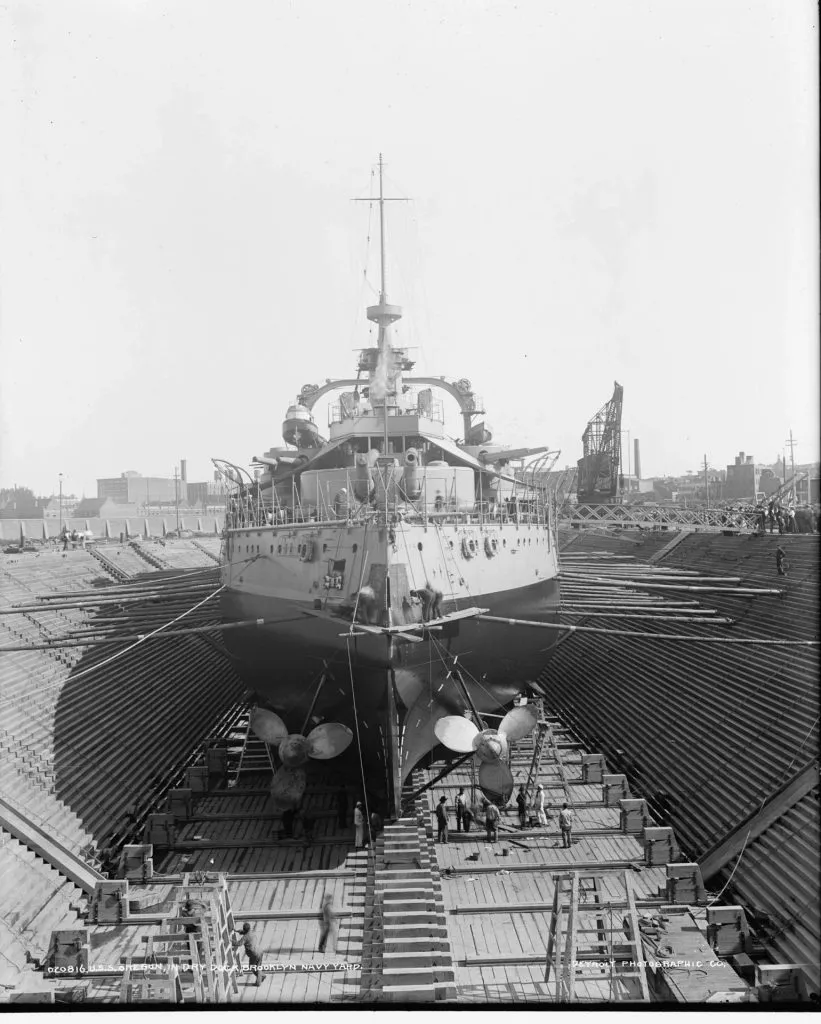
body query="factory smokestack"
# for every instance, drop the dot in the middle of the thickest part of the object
(636, 459)
(184, 470)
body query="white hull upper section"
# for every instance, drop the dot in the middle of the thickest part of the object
(330, 562)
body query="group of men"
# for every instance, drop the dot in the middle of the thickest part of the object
(465, 815)
(73, 537)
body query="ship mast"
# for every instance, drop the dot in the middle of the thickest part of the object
(383, 314)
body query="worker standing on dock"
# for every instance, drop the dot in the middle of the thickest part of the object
(566, 825)
(521, 803)
(461, 807)
(541, 814)
(492, 818)
(442, 820)
(328, 929)
(359, 823)
(248, 939)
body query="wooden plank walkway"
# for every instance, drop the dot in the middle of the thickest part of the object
(499, 896)
(494, 901)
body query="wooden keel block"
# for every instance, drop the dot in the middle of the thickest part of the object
(659, 845)
(593, 768)
(614, 789)
(634, 815)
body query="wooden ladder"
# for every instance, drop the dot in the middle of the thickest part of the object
(540, 741)
(574, 938)
(255, 754)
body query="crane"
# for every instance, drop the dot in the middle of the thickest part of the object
(600, 464)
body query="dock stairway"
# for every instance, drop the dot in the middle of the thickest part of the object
(148, 557)
(406, 954)
(109, 565)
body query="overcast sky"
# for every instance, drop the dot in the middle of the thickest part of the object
(601, 190)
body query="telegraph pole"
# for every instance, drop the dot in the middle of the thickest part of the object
(706, 482)
(792, 443)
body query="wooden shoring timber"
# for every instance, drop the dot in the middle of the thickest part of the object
(543, 908)
(636, 938)
(568, 986)
(769, 812)
(590, 866)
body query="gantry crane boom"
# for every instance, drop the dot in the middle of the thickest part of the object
(600, 465)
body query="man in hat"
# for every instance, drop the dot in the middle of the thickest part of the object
(492, 818)
(566, 825)
(521, 804)
(359, 825)
(461, 804)
(442, 820)
(541, 813)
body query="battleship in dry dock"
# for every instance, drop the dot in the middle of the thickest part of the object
(362, 563)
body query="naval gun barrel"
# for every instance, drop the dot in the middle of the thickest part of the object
(507, 454)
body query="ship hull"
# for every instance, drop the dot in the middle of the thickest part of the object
(390, 692)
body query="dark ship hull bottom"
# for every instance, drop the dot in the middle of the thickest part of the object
(389, 692)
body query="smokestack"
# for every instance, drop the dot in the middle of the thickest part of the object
(184, 470)
(636, 459)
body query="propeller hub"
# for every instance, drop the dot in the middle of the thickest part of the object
(489, 745)
(294, 750)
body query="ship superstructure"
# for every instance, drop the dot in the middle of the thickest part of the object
(359, 563)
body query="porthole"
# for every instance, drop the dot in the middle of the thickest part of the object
(419, 545)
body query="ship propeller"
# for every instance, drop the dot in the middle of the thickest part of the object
(490, 745)
(321, 744)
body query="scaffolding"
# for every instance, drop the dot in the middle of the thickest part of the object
(193, 958)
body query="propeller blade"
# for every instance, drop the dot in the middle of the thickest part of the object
(495, 781)
(329, 740)
(457, 733)
(519, 722)
(268, 726)
(287, 787)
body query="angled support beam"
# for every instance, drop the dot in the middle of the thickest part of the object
(779, 803)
